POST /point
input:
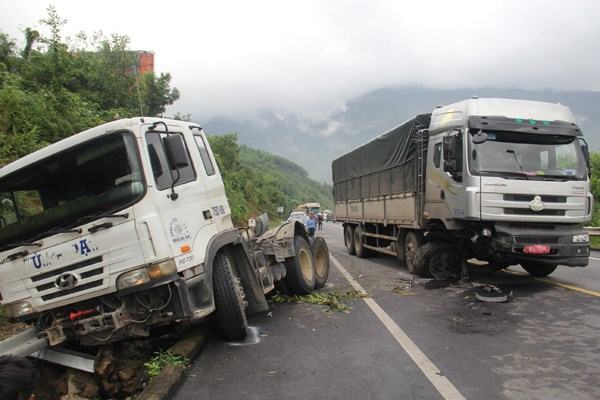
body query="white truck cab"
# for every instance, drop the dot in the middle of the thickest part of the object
(119, 228)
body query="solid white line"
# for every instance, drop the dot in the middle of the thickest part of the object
(594, 258)
(440, 382)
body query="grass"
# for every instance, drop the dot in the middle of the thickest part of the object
(161, 359)
(333, 300)
(595, 241)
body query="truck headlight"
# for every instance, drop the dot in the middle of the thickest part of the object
(146, 274)
(582, 238)
(19, 309)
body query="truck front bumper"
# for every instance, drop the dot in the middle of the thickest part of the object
(510, 240)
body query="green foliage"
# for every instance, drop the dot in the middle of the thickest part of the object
(161, 359)
(257, 182)
(55, 87)
(333, 300)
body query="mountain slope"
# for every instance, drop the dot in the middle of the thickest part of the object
(258, 182)
(314, 145)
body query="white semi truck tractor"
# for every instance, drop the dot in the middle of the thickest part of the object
(503, 181)
(125, 227)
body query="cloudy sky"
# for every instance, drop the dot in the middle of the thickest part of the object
(234, 58)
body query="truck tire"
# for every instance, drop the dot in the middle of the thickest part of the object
(360, 250)
(229, 300)
(300, 269)
(538, 269)
(412, 243)
(349, 239)
(321, 256)
(433, 255)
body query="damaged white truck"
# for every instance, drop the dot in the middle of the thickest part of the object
(503, 181)
(125, 227)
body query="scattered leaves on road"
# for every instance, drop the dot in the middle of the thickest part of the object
(334, 300)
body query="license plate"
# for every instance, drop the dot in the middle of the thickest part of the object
(536, 249)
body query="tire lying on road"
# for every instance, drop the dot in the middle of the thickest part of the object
(538, 269)
(320, 253)
(300, 275)
(229, 299)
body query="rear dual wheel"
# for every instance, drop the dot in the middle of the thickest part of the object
(300, 275)
(320, 253)
(359, 248)
(349, 239)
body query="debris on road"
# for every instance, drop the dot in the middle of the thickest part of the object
(489, 293)
(333, 300)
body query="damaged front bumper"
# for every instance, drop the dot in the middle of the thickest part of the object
(130, 312)
(510, 240)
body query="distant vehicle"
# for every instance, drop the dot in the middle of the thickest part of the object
(504, 181)
(326, 214)
(310, 208)
(297, 216)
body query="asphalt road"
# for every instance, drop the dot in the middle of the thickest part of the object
(416, 342)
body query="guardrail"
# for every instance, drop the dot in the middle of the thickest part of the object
(593, 230)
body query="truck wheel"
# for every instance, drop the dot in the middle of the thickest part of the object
(434, 256)
(538, 269)
(321, 256)
(300, 269)
(349, 239)
(360, 250)
(229, 300)
(412, 243)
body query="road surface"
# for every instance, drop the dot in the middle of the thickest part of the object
(416, 342)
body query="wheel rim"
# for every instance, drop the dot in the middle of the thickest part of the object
(305, 265)
(320, 262)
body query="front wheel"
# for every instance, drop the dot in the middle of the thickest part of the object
(229, 300)
(537, 269)
(412, 243)
(438, 259)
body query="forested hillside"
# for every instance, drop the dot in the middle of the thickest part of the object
(55, 86)
(258, 182)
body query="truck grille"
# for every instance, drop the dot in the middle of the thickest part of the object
(49, 291)
(536, 240)
(527, 211)
(529, 197)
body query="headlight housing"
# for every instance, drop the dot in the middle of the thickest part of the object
(581, 238)
(19, 309)
(146, 274)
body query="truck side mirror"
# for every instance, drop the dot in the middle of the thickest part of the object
(175, 151)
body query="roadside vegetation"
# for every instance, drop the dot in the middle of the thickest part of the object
(257, 181)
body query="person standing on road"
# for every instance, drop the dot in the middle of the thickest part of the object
(320, 219)
(311, 224)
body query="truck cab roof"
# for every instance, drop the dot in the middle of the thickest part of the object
(457, 115)
(110, 127)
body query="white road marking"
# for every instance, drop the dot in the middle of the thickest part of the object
(439, 381)
(594, 258)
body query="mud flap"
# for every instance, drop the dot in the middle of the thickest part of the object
(257, 302)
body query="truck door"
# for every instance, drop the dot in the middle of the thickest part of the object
(187, 214)
(445, 197)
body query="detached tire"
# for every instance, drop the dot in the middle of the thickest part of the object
(437, 256)
(320, 253)
(359, 248)
(300, 274)
(229, 300)
(349, 239)
(537, 269)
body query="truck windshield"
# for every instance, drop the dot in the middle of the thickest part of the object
(528, 156)
(61, 191)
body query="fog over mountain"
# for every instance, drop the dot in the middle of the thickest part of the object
(314, 144)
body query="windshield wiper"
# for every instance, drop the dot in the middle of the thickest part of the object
(561, 177)
(100, 215)
(19, 244)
